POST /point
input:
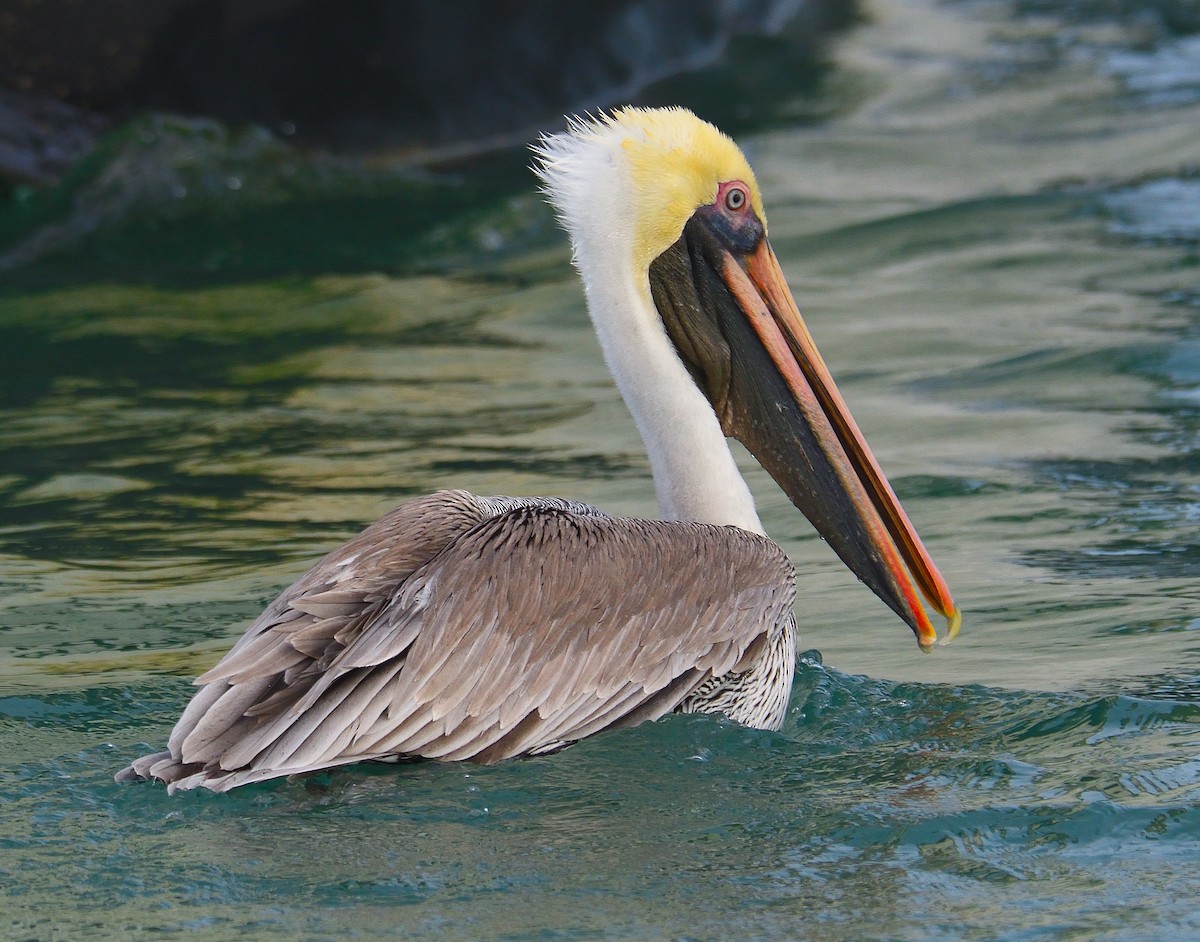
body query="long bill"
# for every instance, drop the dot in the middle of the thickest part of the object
(741, 334)
(777, 322)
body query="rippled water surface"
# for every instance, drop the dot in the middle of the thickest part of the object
(995, 235)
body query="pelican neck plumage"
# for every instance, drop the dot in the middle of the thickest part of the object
(591, 175)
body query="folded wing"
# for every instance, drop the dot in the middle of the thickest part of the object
(460, 627)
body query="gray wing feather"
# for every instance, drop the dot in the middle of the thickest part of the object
(478, 628)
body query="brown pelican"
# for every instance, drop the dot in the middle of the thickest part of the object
(481, 628)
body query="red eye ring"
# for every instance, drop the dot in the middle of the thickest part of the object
(736, 199)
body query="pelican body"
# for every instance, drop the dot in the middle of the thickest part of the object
(460, 627)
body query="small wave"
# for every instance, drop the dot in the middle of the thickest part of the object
(1161, 210)
(1169, 74)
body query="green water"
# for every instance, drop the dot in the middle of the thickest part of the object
(995, 236)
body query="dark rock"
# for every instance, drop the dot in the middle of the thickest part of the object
(40, 137)
(357, 75)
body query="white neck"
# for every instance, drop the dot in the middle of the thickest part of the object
(587, 178)
(695, 476)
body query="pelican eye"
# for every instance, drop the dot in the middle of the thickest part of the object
(735, 199)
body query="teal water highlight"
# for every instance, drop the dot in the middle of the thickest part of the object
(881, 810)
(989, 230)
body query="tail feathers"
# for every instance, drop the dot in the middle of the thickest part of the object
(161, 766)
(182, 776)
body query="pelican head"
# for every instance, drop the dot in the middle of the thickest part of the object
(670, 237)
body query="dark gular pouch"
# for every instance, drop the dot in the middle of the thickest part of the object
(752, 400)
(680, 287)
